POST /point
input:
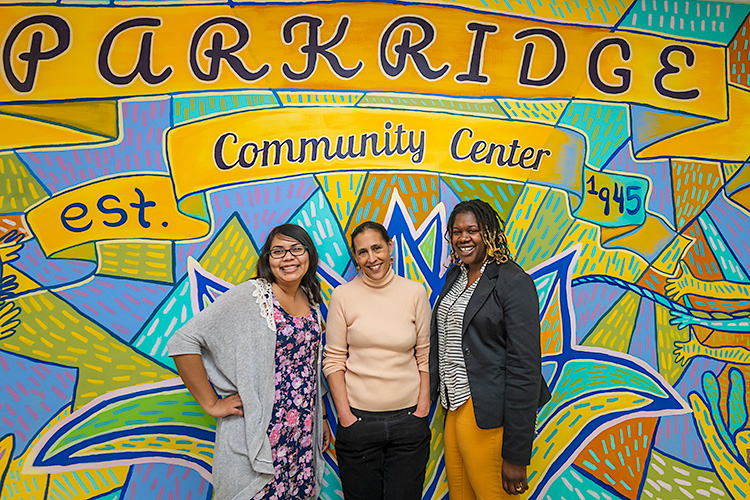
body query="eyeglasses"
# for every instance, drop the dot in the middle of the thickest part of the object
(280, 253)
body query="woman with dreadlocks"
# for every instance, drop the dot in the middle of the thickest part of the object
(485, 359)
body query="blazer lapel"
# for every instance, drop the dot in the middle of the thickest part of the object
(481, 293)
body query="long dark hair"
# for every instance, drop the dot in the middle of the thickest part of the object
(490, 228)
(375, 226)
(310, 283)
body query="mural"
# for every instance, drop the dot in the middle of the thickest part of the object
(148, 147)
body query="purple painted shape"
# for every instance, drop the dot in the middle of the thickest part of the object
(120, 305)
(591, 301)
(157, 481)
(734, 226)
(50, 273)
(660, 173)
(448, 197)
(260, 206)
(31, 394)
(677, 436)
(643, 343)
(139, 149)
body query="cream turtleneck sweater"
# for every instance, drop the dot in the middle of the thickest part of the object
(378, 334)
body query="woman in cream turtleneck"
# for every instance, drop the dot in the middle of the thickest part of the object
(376, 363)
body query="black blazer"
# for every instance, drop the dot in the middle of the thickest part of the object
(503, 355)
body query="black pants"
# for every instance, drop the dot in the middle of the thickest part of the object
(383, 455)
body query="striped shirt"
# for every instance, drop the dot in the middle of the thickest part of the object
(454, 381)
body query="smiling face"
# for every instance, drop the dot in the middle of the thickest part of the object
(289, 269)
(466, 240)
(373, 254)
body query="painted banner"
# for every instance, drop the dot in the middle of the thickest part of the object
(148, 148)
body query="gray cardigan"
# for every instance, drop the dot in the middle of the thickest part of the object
(236, 337)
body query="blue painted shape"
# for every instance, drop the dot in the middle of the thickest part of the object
(548, 371)
(643, 344)
(120, 305)
(157, 481)
(205, 288)
(591, 302)
(733, 224)
(659, 172)
(573, 484)
(317, 217)
(725, 259)
(31, 394)
(398, 223)
(50, 273)
(604, 125)
(173, 312)
(677, 435)
(190, 107)
(139, 149)
(715, 22)
(260, 207)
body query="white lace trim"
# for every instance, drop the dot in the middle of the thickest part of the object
(264, 298)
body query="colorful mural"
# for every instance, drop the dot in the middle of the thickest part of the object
(148, 147)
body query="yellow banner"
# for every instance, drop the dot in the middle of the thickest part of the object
(127, 207)
(268, 144)
(346, 46)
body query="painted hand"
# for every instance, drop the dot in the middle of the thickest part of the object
(8, 321)
(10, 244)
(685, 283)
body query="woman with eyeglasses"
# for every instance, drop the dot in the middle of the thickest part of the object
(376, 364)
(252, 360)
(486, 359)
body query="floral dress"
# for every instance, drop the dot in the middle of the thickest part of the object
(291, 426)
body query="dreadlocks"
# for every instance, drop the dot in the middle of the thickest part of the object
(490, 228)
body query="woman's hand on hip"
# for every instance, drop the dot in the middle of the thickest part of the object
(224, 407)
(514, 478)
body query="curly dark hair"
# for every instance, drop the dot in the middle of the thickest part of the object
(310, 283)
(490, 228)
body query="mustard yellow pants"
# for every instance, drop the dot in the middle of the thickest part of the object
(473, 461)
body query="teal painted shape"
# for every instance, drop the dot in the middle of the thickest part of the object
(728, 264)
(331, 489)
(736, 401)
(712, 390)
(544, 286)
(185, 108)
(574, 485)
(604, 125)
(583, 378)
(317, 217)
(112, 495)
(715, 22)
(173, 312)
